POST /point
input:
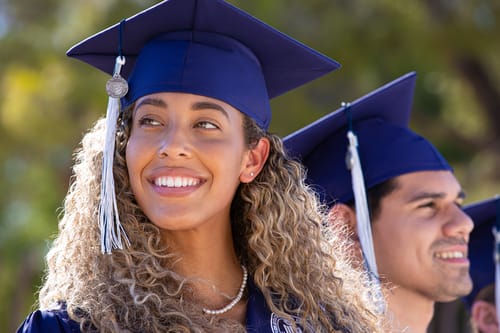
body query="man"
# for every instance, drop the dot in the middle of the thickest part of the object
(482, 252)
(410, 226)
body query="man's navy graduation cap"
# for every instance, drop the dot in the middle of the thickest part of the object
(205, 47)
(202, 47)
(482, 252)
(387, 147)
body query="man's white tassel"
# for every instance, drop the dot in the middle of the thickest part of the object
(362, 215)
(112, 232)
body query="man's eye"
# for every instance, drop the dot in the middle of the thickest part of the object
(429, 204)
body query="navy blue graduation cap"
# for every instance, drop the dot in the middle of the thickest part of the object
(484, 250)
(387, 147)
(203, 47)
(371, 134)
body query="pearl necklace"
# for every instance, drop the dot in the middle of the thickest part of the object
(235, 300)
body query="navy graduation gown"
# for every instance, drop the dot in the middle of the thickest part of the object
(48, 321)
(259, 318)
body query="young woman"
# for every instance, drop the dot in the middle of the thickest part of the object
(215, 229)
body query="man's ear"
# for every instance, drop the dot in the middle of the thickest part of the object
(483, 315)
(343, 216)
(342, 213)
(255, 160)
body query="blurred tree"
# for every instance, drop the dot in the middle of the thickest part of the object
(47, 101)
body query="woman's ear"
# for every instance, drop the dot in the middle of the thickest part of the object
(255, 160)
(484, 317)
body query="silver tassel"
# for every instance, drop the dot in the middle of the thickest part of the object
(112, 232)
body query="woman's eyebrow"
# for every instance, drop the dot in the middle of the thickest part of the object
(209, 105)
(151, 101)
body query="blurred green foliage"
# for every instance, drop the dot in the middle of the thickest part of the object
(47, 101)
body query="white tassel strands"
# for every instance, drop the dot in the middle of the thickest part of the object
(112, 232)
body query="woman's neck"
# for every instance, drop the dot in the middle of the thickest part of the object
(209, 261)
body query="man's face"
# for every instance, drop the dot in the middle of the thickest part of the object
(420, 236)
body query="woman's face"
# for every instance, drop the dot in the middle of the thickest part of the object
(185, 156)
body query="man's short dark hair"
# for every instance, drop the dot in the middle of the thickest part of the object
(376, 194)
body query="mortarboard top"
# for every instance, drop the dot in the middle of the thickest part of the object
(205, 47)
(387, 147)
(481, 244)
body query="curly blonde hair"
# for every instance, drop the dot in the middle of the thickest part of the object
(299, 265)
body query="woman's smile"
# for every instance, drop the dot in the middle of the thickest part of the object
(173, 182)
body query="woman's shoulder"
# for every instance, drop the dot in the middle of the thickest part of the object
(55, 320)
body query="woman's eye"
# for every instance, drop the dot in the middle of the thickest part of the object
(149, 122)
(206, 125)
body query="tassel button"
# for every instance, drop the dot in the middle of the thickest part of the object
(117, 86)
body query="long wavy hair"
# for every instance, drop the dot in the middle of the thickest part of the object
(279, 233)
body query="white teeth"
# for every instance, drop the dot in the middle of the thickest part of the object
(176, 181)
(170, 182)
(450, 255)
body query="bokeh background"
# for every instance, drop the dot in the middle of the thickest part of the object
(47, 101)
